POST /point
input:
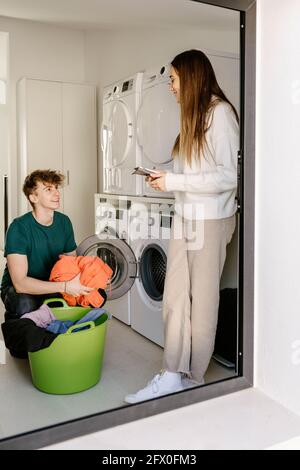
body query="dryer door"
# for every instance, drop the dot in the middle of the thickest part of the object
(120, 133)
(158, 124)
(118, 255)
(105, 134)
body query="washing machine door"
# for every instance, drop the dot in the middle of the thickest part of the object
(152, 271)
(158, 124)
(120, 133)
(118, 255)
(105, 134)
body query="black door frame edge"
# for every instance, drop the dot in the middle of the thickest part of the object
(63, 431)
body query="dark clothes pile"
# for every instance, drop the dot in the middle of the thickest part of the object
(22, 336)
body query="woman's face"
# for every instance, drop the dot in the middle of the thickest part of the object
(175, 84)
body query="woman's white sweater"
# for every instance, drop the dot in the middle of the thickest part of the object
(207, 190)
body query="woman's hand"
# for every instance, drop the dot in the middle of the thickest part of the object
(159, 184)
(157, 181)
(75, 288)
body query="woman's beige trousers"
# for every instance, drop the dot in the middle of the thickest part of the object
(196, 257)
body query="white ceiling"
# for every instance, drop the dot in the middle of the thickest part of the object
(121, 14)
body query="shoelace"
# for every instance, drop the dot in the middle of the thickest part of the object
(154, 383)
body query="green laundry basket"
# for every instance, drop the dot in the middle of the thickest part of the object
(73, 362)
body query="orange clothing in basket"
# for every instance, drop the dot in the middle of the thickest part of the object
(94, 273)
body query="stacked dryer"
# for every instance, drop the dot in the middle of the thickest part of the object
(121, 152)
(158, 124)
(141, 120)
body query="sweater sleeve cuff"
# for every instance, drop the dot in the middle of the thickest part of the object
(175, 182)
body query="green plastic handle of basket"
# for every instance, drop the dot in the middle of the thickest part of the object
(80, 325)
(48, 301)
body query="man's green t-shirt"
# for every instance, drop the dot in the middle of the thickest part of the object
(40, 243)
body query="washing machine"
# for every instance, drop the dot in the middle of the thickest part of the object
(149, 235)
(158, 124)
(121, 154)
(111, 243)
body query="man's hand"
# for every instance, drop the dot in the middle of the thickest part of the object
(75, 288)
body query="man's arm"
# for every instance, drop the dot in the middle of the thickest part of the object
(18, 269)
(71, 253)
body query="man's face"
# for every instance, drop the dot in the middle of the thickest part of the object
(46, 195)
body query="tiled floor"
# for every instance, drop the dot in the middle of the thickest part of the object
(130, 361)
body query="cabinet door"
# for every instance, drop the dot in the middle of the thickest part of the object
(80, 156)
(3, 170)
(40, 129)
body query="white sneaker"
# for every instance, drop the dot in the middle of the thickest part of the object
(161, 384)
(189, 383)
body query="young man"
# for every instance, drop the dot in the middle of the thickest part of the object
(33, 244)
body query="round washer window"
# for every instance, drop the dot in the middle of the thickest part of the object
(118, 255)
(114, 259)
(153, 265)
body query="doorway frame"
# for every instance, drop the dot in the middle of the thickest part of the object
(64, 431)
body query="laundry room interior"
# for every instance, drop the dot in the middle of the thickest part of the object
(85, 91)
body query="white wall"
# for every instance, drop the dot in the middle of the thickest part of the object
(42, 51)
(4, 129)
(3, 55)
(112, 55)
(277, 255)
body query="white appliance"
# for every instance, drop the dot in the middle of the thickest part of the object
(118, 136)
(158, 125)
(151, 218)
(110, 243)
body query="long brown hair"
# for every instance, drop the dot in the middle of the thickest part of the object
(198, 84)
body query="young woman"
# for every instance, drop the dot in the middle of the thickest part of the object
(204, 183)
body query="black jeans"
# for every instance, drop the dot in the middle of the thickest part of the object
(17, 305)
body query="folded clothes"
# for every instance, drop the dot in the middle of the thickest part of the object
(92, 315)
(61, 327)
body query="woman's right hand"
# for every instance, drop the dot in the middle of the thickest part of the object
(75, 288)
(161, 173)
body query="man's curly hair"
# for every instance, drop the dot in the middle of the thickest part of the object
(44, 176)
